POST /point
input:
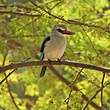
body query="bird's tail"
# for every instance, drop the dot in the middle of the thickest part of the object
(43, 71)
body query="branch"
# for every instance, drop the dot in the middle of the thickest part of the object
(72, 84)
(73, 87)
(19, 13)
(75, 22)
(56, 4)
(7, 6)
(71, 21)
(89, 101)
(8, 85)
(102, 84)
(94, 96)
(4, 79)
(46, 63)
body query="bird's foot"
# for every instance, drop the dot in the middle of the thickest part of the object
(59, 60)
(49, 61)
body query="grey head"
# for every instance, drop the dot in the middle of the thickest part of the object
(61, 30)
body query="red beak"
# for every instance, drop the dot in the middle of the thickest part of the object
(68, 32)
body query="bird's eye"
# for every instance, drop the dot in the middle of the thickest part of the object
(59, 30)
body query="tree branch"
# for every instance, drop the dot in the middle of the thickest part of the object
(70, 93)
(46, 63)
(73, 87)
(7, 76)
(72, 21)
(8, 85)
(102, 85)
(94, 96)
(19, 13)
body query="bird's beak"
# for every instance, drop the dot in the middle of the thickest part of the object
(68, 32)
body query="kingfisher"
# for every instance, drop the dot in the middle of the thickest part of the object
(53, 46)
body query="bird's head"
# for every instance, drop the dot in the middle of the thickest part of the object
(62, 30)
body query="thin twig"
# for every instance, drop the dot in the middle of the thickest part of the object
(69, 96)
(94, 96)
(58, 3)
(54, 71)
(89, 101)
(101, 61)
(11, 95)
(68, 99)
(19, 13)
(72, 21)
(78, 73)
(21, 7)
(7, 76)
(12, 71)
(102, 85)
(8, 86)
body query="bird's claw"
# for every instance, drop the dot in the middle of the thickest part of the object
(58, 60)
(49, 61)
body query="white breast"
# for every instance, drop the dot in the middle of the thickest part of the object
(54, 49)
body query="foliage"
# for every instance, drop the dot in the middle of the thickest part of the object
(23, 26)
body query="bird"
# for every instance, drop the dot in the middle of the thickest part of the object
(53, 46)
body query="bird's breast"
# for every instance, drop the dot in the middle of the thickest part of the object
(54, 49)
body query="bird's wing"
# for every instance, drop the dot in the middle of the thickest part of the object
(43, 43)
(43, 46)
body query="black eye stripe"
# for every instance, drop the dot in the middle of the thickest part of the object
(59, 30)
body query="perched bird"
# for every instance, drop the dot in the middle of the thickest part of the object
(54, 45)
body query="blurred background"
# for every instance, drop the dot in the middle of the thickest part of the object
(23, 26)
